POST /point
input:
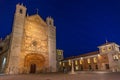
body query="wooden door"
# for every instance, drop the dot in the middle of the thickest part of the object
(32, 68)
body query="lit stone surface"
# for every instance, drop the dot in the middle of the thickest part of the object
(59, 76)
(33, 44)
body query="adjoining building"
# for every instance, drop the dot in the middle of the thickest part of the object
(106, 59)
(31, 46)
(59, 58)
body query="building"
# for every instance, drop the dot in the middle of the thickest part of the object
(31, 46)
(59, 57)
(106, 59)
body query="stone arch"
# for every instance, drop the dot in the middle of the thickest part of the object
(34, 61)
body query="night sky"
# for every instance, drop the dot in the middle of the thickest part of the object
(81, 25)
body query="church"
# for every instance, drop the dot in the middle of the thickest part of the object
(31, 46)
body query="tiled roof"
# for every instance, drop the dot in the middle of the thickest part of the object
(89, 54)
(83, 55)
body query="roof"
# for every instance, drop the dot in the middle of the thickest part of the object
(83, 55)
(107, 43)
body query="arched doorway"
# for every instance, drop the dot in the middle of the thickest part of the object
(34, 63)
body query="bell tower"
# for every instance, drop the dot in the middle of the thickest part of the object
(16, 40)
(51, 44)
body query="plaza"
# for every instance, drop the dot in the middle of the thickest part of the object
(64, 76)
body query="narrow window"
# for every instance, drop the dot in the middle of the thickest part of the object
(21, 11)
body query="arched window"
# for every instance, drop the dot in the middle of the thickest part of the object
(115, 57)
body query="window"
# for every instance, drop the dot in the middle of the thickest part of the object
(76, 67)
(103, 49)
(63, 64)
(115, 57)
(80, 61)
(95, 60)
(76, 62)
(88, 60)
(109, 48)
(34, 43)
(69, 62)
(60, 63)
(50, 23)
(59, 53)
(21, 11)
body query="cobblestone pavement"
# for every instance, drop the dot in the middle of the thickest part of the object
(62, 76)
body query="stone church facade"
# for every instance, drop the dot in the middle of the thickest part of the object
(31, 46)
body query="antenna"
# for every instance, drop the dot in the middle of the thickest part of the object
(37, 10)
(106, 41)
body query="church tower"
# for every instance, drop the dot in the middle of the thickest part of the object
(16, 39)
(51, 43)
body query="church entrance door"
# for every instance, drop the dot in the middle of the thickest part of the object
(32, 68)
(34, 63)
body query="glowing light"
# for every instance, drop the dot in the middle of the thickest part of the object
(60, 63)
(81, 58)
(76, 68)
(88, 60)
(80, 61)
(95, 60)
(63, 64)
(76, 62)
(69, 62)
(98, 55)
